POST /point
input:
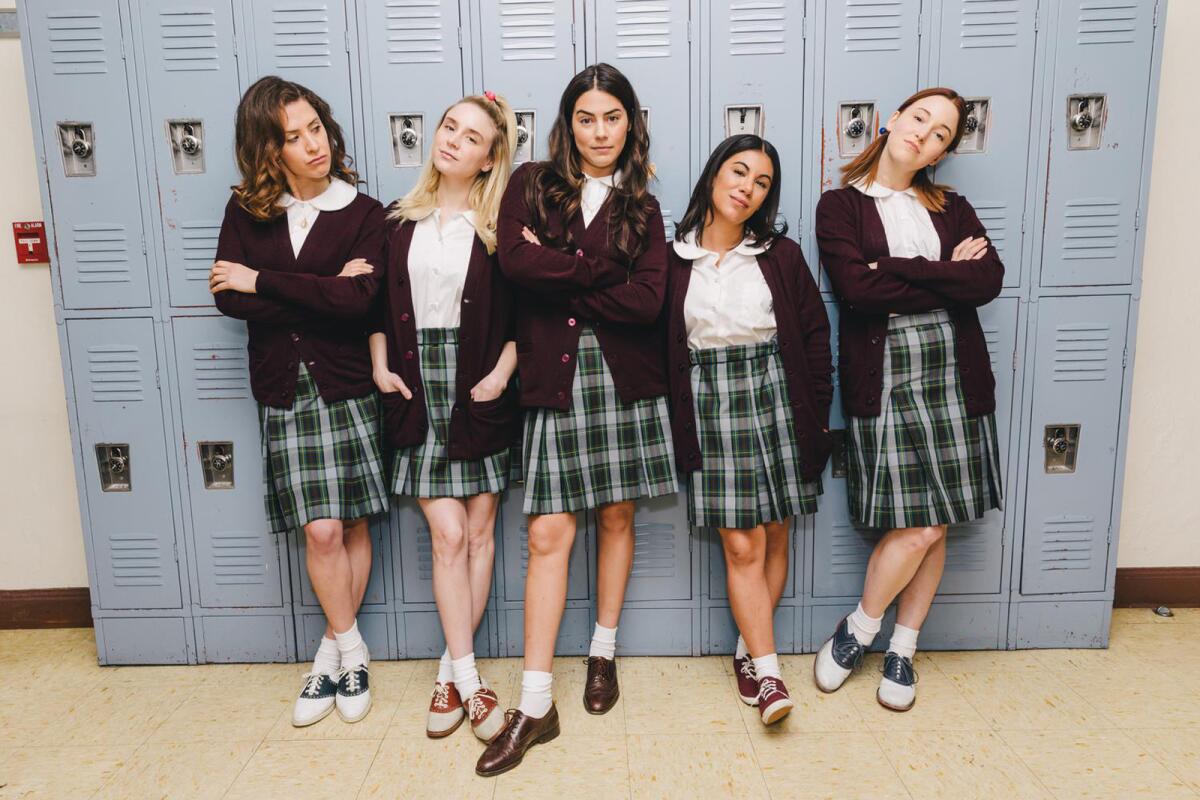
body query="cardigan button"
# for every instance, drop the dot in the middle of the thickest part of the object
(688, 427)
(295, 337)
(571, 322)
(683, 367)
(872, 371)
(964, 370)
(685, 397)
(562, 395)
(565, 358)
(404, 317)
(579, 252)
(312, 363)
(679, 338)
(874, 340)
(408, 354)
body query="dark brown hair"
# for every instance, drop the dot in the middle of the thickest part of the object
(932, 195)
(763, 227)
(558, 181)
(258, 142)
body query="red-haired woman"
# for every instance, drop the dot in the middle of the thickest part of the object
(296, 259)
(909, 262)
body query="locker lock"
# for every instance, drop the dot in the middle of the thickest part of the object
(972, 123)
(1061, 443)
(78, 143)
(81, 147)
(187, 145)
(975, 127)
(853, 128)
(408, 137)
(407, 130)
(744, 119)
(115, 473)
(216, 460)
(522, 135)
(1085, 121)
(526, 132)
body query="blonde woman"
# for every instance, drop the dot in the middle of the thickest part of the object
(442, 355)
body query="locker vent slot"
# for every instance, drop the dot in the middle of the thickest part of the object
(1081, 352)
(1091, 229)
(238, 559)
(643, 29)
(189, 41)
(849, 549)
(115, 373)
(101, 252)
(220, 371)
(77, 45)
(653, 550)
(425, 553)
(300, 35)
(991, 335)
(415, 32)
(136, 559)
(527, 30)
(199, 243)
(758, 28)
(1067, 542)
(994, 216)
(873, 26)
(1106, 22)
(989, 23)
(967, 549)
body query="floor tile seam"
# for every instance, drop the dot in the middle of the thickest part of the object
(116, 773)
(1025, 764)
(367, 772)
(895, 771)
(233, 782)
(1163, 764)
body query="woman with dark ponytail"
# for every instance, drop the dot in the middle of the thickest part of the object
(581, 238)
(909, 262)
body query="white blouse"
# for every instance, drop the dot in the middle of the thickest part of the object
(301, 214)
(728, 304)
(438, 258)
(595, 192)
(906, 223)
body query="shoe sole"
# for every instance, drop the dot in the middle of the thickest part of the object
(604, 710)
(750, 701)
(777, 711)
(314, 720)
(359, 718)
(548, 736)
(891, 707)
(447, 732)
(817, 681)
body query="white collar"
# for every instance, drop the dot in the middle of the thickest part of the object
(337, 195)
(879, 190)
(689, 248)
(468, 215)
(607, 180)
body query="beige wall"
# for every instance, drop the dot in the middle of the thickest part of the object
(1160, 526)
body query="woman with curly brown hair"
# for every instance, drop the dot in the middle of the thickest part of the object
(297, 260)
(582, 239)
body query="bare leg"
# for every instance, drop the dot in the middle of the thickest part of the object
(481, 551)
(778, 552)
(917, 597)
(749, 597)
(614, 523)
(894, 562)
(447, 518)
(329, 569)
(550, 540)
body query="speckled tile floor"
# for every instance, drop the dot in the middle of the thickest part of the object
(1116, 723)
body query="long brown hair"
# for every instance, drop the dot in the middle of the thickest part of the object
(558, 181)
(866, 165)
(258, 144)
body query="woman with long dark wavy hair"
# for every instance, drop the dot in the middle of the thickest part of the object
(910, 263)
(748, 343)
(298, 259)
(582, 239)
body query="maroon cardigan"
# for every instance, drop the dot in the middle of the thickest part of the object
(850, 236)
(557, 292)
(302, 311)
(486, 324)
(803, 334)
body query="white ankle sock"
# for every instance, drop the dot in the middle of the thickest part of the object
(863, 626)
(328, 658)
(904, 641)
(604, 642)
(466, 676)
(536, 693)
(741, 651)
(767, 666)
(445, 668)
(352, 648)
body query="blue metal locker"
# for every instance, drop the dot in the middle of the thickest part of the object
(191, 90)
(411, 61)
(91, 161)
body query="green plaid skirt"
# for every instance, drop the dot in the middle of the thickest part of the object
(321, 460)
(922, 461)
(599, 450)
(747, 433)
(425, 470)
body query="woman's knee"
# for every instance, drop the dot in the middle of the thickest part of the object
(550, 536)
(449, 542)
(615, 517)
(323, 536)
(922, 539)
(744, 549)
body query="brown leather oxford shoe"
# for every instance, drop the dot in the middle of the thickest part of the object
(600, 691)
(519, 733)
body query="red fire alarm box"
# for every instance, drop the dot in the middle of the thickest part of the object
(31, 243)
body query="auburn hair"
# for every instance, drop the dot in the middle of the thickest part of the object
(258, 144)
(866, 165)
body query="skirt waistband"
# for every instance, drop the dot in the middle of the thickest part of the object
(428, 336)
(937, 317)
(733, 352)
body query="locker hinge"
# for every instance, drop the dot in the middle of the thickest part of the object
(1124, 357)
(1137, 219)
(122, 49)
(157, 382)
(143, 244)
(689, 30)
(460, 38)
(920, 24)
(1015, 357)
(1109, 539)
(804, 27)
(175, 549)
(1022, 222)
(235, 47)
(1036, 18)
(572, 33)
(1156, 5)
(347, 38)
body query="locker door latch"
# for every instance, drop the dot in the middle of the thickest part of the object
(78, 141)
(1061, 443)
(216, 459)
(1086, 115)
(407, 130)
(525, 137)
(854, 128)
(840, 457)
(187, 145)
(115, 474)
(743, 119)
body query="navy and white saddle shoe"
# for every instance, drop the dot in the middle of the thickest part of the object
(353, 693)
(897, 688)
(838, 657)
(316, 699)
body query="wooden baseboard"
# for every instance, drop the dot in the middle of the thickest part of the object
(45, 608)
(1147, 587)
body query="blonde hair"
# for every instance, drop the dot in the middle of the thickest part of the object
(488, 187)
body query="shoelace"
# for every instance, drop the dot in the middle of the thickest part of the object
(351, 676)
(476, 707)
(604, 670)
(312, 683)
(898, 669)
(767, 686)
(849, 649)
(747, 669)
(441, 694)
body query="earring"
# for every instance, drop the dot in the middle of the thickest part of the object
(883, 131)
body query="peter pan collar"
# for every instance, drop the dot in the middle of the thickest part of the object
(689, 249)
(879, 190)
(337, 195)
